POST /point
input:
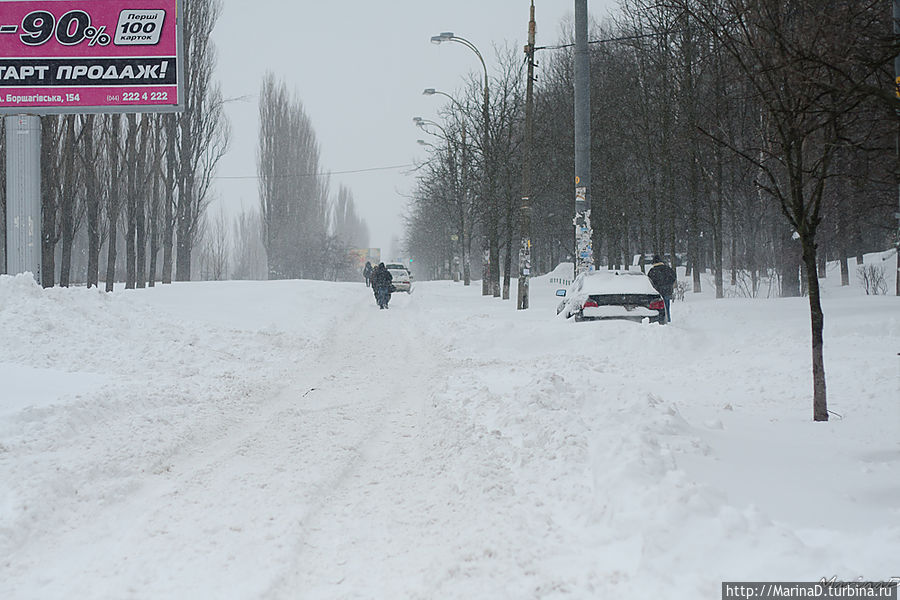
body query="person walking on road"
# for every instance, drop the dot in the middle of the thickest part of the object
(663, 278)
(367, 273)
(382, 280)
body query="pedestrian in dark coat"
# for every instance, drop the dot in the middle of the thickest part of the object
(663, 278)
(382, 280)
(367, 273)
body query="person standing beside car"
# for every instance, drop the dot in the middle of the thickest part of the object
(663, 279)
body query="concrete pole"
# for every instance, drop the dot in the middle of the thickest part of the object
(489, 283)
(525, 206)
(584, 256)
(23, 195)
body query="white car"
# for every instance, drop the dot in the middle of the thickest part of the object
(402, 279)
(601, 295)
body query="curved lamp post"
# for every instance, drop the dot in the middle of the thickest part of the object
(423, 123)
(434, 92)
(490, 284)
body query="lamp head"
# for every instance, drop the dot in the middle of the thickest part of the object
(428, 92)
(445, 36)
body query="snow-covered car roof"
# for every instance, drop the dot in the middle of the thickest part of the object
(614, 282)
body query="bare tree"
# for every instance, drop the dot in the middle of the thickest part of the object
(785, 50)
(214, 250)
(70, 207)
(113, 202)
(346, 224)
(89, 163)
(249, 252)
(203, 130)
(293, 194)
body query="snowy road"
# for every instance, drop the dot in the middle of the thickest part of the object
(327, 467)
(289, 440)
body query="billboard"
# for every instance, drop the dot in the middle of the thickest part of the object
(68, 56)
(359, 256)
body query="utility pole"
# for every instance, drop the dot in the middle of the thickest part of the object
(584, 256)
(525, 206)
(897, 76)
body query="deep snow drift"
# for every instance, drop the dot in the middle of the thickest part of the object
(290, 440)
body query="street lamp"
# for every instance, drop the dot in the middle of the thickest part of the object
(423, 123)
(433, 92)
(490, 284)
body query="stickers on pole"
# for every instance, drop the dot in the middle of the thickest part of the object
(68, 56)
(584, 250)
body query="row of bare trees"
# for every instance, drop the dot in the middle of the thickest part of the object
(750, 137)
(134, 185)
(685, 155)
(468, 189)
(306, 233)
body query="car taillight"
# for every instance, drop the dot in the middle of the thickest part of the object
(589, 304)
(658, 305)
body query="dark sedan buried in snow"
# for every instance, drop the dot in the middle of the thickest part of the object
(606, 295)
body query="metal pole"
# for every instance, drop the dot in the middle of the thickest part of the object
(584, 259)
(488, 284)
(23, 195)
(525, 206)
(897, 76)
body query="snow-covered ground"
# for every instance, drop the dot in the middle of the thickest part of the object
(290, 440)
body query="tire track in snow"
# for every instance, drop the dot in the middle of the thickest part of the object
(356, 540)
(223, 516)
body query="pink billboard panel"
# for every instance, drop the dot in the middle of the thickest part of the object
(60, 56)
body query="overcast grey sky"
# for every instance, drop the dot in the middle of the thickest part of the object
(359, 68)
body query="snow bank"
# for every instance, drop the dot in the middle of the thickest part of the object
(102, 391)
(264, 439)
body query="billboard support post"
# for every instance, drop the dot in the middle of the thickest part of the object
(23, 194)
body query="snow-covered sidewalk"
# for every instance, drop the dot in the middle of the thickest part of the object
(290, 440)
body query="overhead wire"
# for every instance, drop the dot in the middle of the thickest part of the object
(320, 174)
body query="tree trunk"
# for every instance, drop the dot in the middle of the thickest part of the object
(169, 199)
(817, 321)
(143, 201)
(131, 201)
(112, 220)
(734, 247)
(49, 200)
(495, 254)
(485, 264)
(718, 227)
(92, 198)
(507, 260)
(67, 205)
(790, 267)
(112, 211)
(467, 254)
(154, 203)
